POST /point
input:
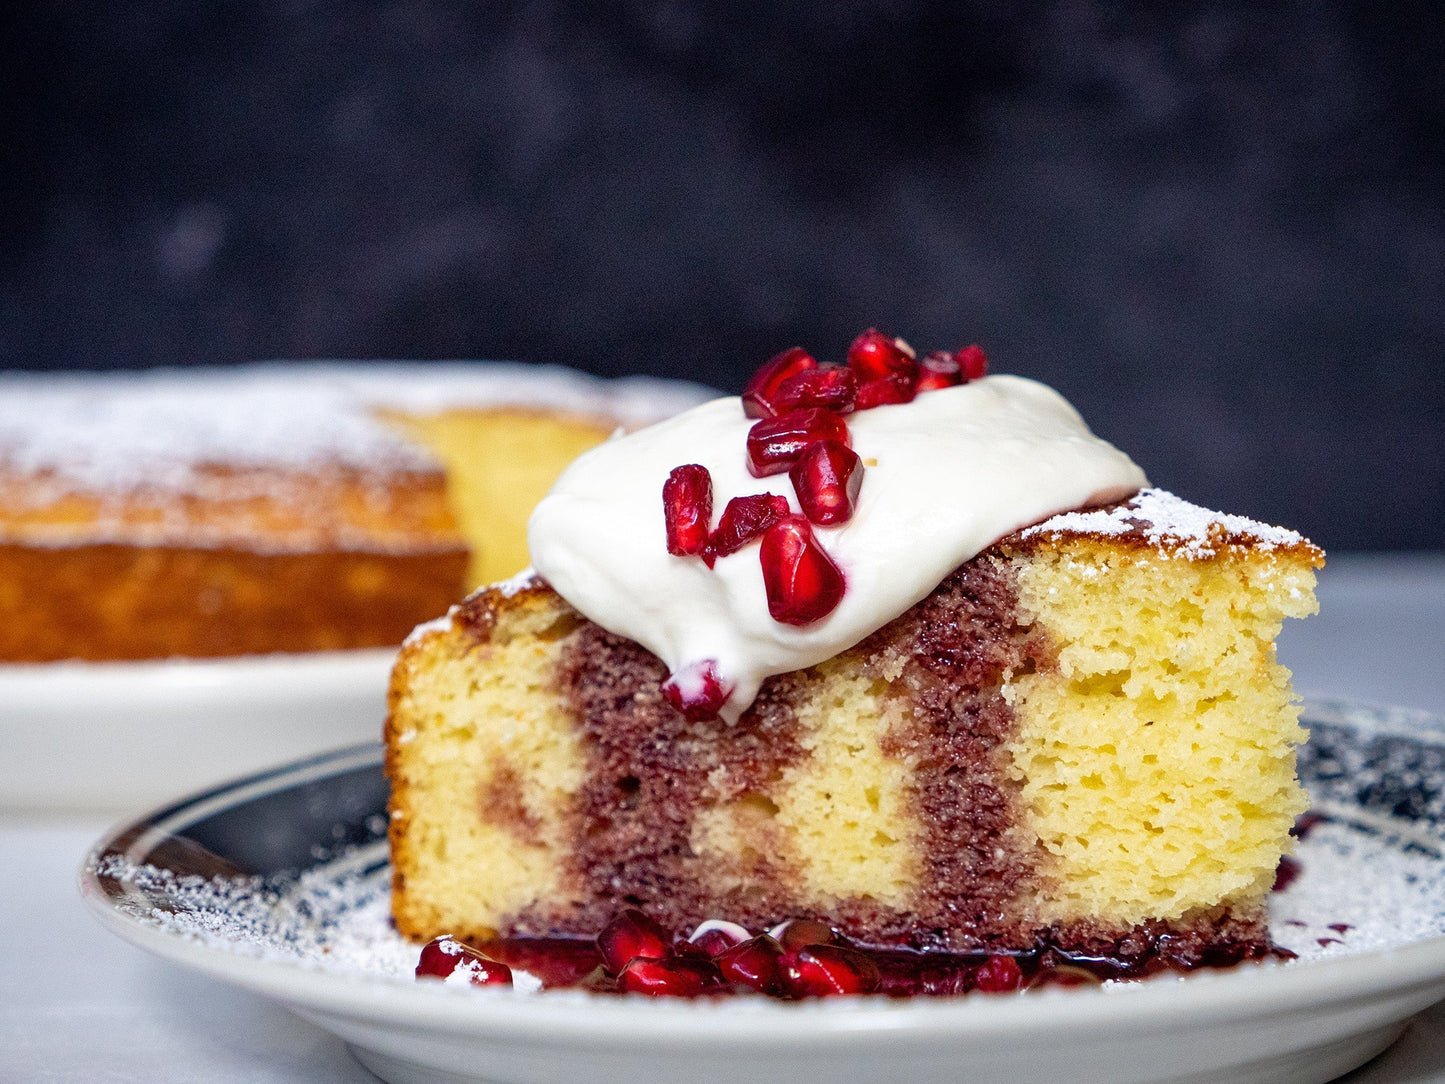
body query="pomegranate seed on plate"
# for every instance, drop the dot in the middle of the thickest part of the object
(687, 509)
(939, 369)
(758, 395)
(799, 933)
(682, 976)
(885, 391)
(753, 963)
(827, 478)
(774, 444)
(972, 362)
(743, 520)
(875, 355)
(832, 387)
(823, 970)
(697, 690)
(631, 935)
(998, 975)
(802, 583)
(715, 936)
(445, 956)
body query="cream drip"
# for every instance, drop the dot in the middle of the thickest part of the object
(944, 477)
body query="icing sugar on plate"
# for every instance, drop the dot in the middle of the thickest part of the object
(280, 884)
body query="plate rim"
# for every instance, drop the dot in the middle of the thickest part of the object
(1247, 990)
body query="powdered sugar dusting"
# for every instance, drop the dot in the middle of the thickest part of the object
(337, 920)
(335, 917)
(426, 628)
(513, 585)
(1172, 524)
(118, 432)
(518, 583)
(1331, 910)
(1372, 874)
(1378, 775)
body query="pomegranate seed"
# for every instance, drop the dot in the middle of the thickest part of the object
(802, 583)
(832, 387)
(716, 936)
(774, 444)
(759, 393)
(631, 935)
(939, 369)
(1306, 823)
(972, 362)
(822, 970)
(799, 933)
(1285, 873)
(827, 477)
(742, 520)
(885, 391)
(1069, 975)
(753, 963)
(998, 975)
(697, 691)
(687, 509)
(445, 956)
(875, 355)
(679, 977)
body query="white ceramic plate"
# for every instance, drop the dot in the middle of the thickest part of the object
(122, 736)
(278, 884)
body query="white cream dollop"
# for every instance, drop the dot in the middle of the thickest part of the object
(944, 477)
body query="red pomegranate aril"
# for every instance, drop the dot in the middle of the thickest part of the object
(687, 509)
(824, 970)
(938, 370)
(832, 387)
(716, 936)
(713, 943)
(874, 355)
(697, 690)
(682, 976)
(885, 391)
(801, 581)
(827, 478)
(999, 975)
(753, 963)
(744, 519)
(774, 444)
(445, 956)
(558, 962)
(799, 933)
(629, 936)
(972, 362)
(758, 401)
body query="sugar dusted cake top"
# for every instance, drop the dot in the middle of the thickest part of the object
(118, 432)
(1172, 525)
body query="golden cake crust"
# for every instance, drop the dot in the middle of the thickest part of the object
(275, 508)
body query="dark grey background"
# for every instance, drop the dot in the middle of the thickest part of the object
(1219, 228)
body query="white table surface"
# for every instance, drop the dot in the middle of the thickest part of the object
(77, 1004)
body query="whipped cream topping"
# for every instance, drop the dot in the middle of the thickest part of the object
(944, 477)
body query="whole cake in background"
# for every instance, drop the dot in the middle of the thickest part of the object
(896, 654)
(277, 507)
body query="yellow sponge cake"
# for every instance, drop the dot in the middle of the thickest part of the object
(1081, 734)
(911, 665)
